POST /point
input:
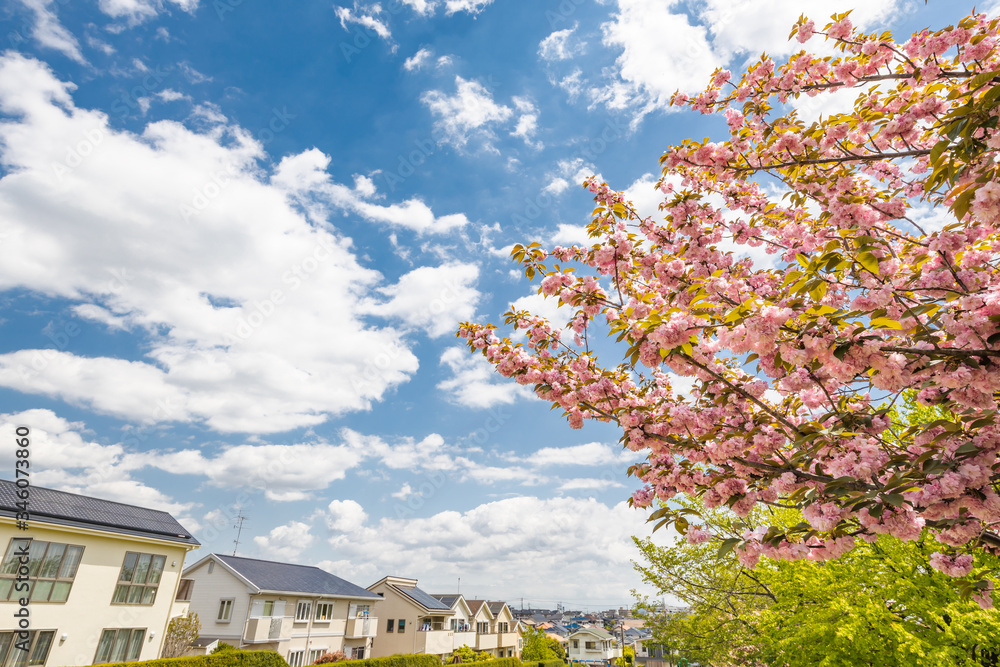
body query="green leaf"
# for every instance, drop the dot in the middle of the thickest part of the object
(869, 261)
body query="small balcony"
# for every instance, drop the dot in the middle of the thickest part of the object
(266, 629)
(486, 642)
(435, 642)
(364, 626)
(507, 640)
(465, 639)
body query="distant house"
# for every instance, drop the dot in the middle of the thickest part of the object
(299, 611)
(413, 621)
(592, 645)
(101, 581)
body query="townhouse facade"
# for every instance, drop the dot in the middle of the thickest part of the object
(299, 611)
(417, 622)
(99, 578)
(593, 645)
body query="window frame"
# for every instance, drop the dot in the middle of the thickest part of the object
(9, 581)
(325, 619)
(299, 657)
(229, 616)
(129, 642)
(389, 624)
(300, 617)
(139, 564)
(401, 626)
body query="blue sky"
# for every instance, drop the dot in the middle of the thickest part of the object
(238, 237)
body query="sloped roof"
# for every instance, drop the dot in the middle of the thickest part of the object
(495, 607)
(597, 632)
(474, 605)
(269, 575)
(71, 509)
(448, 600)
(426, 600)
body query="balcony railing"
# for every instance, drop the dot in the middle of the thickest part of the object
(486, 642)
(365, 626)
(435, 642)
(266, 629)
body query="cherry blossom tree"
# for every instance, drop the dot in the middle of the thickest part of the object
(806, 276)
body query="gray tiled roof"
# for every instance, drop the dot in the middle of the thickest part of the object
(426, 599)
(70, 509)
(495, 607)
(268, 575)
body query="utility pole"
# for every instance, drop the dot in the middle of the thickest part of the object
(239, 529)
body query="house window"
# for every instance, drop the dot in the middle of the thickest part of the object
(576, 643)
(38, 648)
(324, 611)
(502, 627)
(401, 625)
(296, 658)
(185, 590)
(358, 653)
(302, 612)
(139, 578)
(211, 566)
(483, 627)
(590, 646)
(268, 608)
(51, 569)
(225, 610)
(315, 654)
(120, 645)
(363, 610)
(388, 624)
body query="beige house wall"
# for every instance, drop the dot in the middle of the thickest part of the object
(88, 610)
(338, 634)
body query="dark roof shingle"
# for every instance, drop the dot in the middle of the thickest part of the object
(70, 509)
(272, 576)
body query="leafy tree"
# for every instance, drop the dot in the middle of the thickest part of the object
(801, 319)
(181, 631)
(556, 647)
(536, 646)
(628, 657)
(468, 654)
(881, 604)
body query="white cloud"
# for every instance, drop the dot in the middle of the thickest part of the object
(434, 299)
(364, 17)
(515, 544)
(663, 48)
(589, 454)
(466, 114)
(50, 33)
(475, 384)
(645, 196)
(560, 45)
(589, 484)
(304, 178)
(571, 172)
(137, 11)
(238, 272)
(527, 123)
(345, 516)
(64, 458)
(285, 543)
(405, 492)
(572, 235)
(417, 60)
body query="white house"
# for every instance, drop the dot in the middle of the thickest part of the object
(100, 579)
(299, 611)
(592, 645)
(413, 621)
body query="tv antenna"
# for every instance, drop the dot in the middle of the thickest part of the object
(239, 529)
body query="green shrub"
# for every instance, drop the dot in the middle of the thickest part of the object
(422, 660)
(500, 662)
(224, 658)
(551, 663)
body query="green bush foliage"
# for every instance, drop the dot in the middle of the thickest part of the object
(225, 658)
(397, 661)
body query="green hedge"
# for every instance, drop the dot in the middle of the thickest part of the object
(554, 662)
(421, 660)
(221, 659)
(498, 662)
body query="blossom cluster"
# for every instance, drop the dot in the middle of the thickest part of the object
(798, 360)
